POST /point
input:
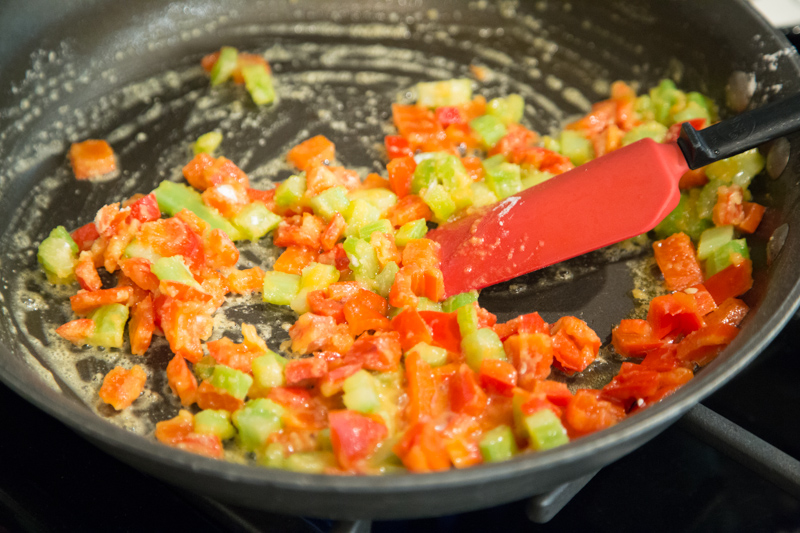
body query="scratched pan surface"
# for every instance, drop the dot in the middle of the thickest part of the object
(128, 72)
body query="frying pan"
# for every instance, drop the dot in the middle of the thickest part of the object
(128, 72)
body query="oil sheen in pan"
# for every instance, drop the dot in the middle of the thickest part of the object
(343, 91)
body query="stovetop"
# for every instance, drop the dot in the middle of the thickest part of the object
(53, 480)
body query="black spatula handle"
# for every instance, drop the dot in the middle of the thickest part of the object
(740, 133)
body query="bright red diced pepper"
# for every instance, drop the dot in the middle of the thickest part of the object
(674, 131)
(86, 301)
(408, 209)
(631, 383)
(677, 260)
(397, 147)
(91, 159)
(210, 397)
(412, 328)
(310, 332)
(673, 314)
(422, 449)
(753, 213)
(85, 236)
(732, 311)
(142, 325)
(447, 115)
(634, 338)
(532, 356)
(498, 376)
(181, 381)
(587, 413)
(703, 345)
(121, 387)
(77, 331)
(728, 211)
(575, 344)
(731, 282)
(354, 436)
(466, 394)
(366, 311)
(444, 329)
(305, 371)
(312, 152)
(145, 208)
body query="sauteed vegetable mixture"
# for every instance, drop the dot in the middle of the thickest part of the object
(382, 373)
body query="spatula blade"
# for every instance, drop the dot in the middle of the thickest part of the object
(612, 198)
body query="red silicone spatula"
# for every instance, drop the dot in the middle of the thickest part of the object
(620, 195)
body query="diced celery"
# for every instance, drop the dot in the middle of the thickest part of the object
(273, 455)
(423, 304)
(532, 177)
(433, 355)
(258, 82)
(236, 382)
(459, 300)
(449, 171)
(705, 102)
(109, 326)
(137, 249)
(381, 226)
(329, 202)
(361, 392)
(545, 430)
(380, 198)
(503, 178)
(551, 143)
(225, 65)
(480, 345)
(711, 239)
(685, 218)
(58, 255)
(256, 421)
(268, 370)
(280, 288)
(652, 130)
(204, 367)
(692, 111)
(482, 195)
(498, 444)
(291, 191)
(707, 198)
(467, 317)
(439, 201)
(576, 147)
(214, 422)
(416, 229)
(316, 462)
(174, 269)
(172, 197)
(509, 109)
(722, 257)
(363, 259)
(738, 170)
(360, 213)
(489, 129)
(385, 280)
(424, 175)
(324, 440)
(643, 105)
(207, 143)
(662, 99)
(255, 220)
(444, 93)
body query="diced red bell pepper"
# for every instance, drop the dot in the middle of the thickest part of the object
(422, 449)
(145, 209)
(294, 259)
(305, 371)
(703, 300)
(185, 324)
(602, 115)
(474, 166)
(732, 311)
(77, 331)
(381, 351)
(587, 413)
(422, 253)
(86, 273)
(142, 325)
(366, 311)
(237, 356)
(354, 436)
(515, 143)
(444, 328)
(320, 304)
(575, 344)
(210, 397)
(412, 328)
(333, 232)
(632, 383)
(693, 178)
(85, 236)
(528, 323)
(556, 392)
(179, 433)
(181, 381)
(265, 197)
(310, 332)
(245, 281)
(312, 152)
(85, 302)
(408, 209)
(420, 388)
(673, 314)
(420, 127)
(91, 159)
(703, 345)
(385, 248)
(401, 171)
(397, 147)
(498, 376)
(121, 387)
(731, 282)
(301, 230)
(728, 211)
(466, 394)
(532, 356)
(219, 250)
(333, 381)
(753, 213)
(677, 260)
(447, 115)
(634, 338)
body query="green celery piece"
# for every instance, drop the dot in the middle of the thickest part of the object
(692, 111)
(423, 304)
(706, 102)
(416, 229)
(172, 197)
(363, 259)
(109, 326)
(721, 258)
(256, 421)
(324, 440)
(738, 170)
(509, 109)
(290, 192)
(255, 220)
(532, 177)
(707, 198)
(482, 195)
(225, 65)
(684, 218)
(327, 203)
(433, 355)
(447, 170)
(467, 317)
(459, 300)
(268, 370)
(215, 422)
(451, 173)
(490, 129)
(424, 175)
(174, 269)
(545, 430)
(381, 226)
(207, 143)
(258, 82)
(650, 130)
(711, 239)
(204, 367)
(440, 202)
(662, 98)
(385, 279)
(501, 177)
(576, 147)
(272, 456)
(137, 249)
(380, 198)
(498, 444)
(58, 255)
(361, 392)
(280, 288)
(444, 93)
(236, 382)
(551, 143)
(384, 457)
(360, 213)
(643, 105)
(316, 462)
(480, 345)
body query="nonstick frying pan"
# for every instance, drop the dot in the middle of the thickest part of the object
(128, 72)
